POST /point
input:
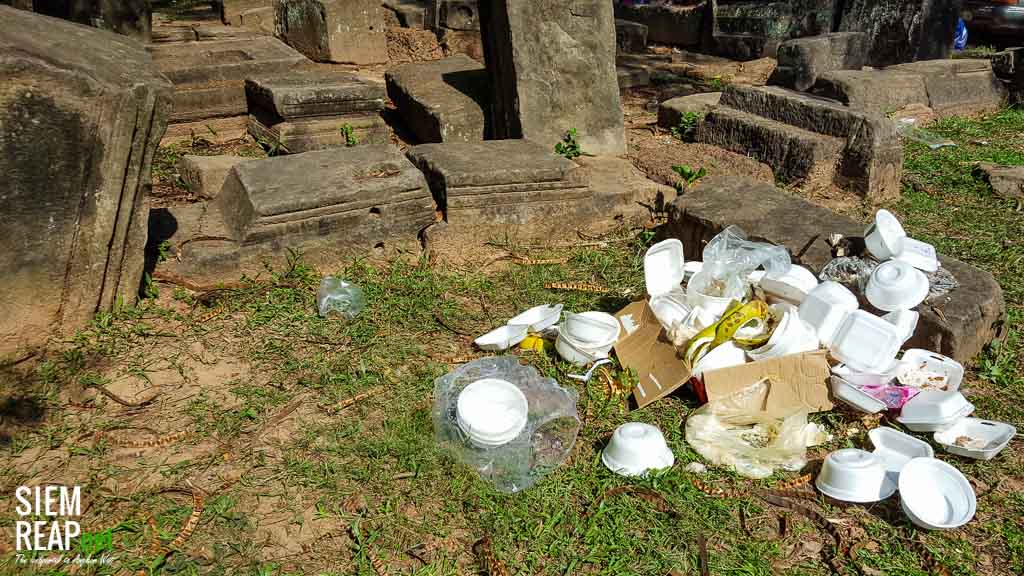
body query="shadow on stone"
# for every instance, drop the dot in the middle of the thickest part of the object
(469, 83)
(162, 226)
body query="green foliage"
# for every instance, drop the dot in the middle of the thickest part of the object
(149, 287)
(350, 136)
(273, 147)
(569, 147)
(687, 175)
(717, 84)
(687, 126)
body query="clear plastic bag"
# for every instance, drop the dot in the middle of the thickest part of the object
(850, 271)
(337, 296)
(730, 255)
(907, 128)
(544, 443)
(736, 432)
(939, 283)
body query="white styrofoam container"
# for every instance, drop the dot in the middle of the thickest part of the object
(987, 438)
(866, 342)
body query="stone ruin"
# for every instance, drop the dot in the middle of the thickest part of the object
(311, 110)
(480, 161)
(76, 142)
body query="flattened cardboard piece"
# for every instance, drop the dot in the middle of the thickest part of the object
(647, 350)
(800, 380)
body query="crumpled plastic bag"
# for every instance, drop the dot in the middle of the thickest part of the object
(736, 432)
(542, 446)
(729, 255)
(850, 271)
(336, 296)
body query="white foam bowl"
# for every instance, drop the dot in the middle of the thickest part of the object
(982, 439)
(931, 410)
(579, 353)
(825, 307)
(669, 309)
(884, 237)
(635, 448)
(663, 267)
(592, 328)
(894, 285)
(502, 338)
(854, 475)
(538, 318)
(491, 412)
(935, 495)
(792, 286)
(896, 449)
(724, 355)
(866, 342)
(920, 255)
(717, 305)
(854, 397)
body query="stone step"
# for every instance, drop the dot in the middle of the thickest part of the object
(319, 132)
(443, 100)
(793, 153)
(958, 324)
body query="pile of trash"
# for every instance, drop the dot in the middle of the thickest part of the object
(764, 343)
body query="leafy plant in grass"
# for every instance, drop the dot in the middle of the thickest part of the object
(687, 175)
(569, 147)
(350, 136)
(687, 126)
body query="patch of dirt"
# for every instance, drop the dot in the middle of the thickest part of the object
(412, 45)
(655, 154)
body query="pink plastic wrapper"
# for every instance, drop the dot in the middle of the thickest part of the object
(894, 397)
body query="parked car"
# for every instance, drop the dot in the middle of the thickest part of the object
(1003, 18)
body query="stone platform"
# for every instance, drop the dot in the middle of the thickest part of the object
(326, 204)
(312, 110)
(443, 100)
(209, 77)
(532, 189)
(948, 87)
(805, 138)
(958, 324)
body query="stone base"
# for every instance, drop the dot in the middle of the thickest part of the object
(306, 93)
(877, 91)
(795, 155)
(671, 112)
(666, 24)
(410, 13)
(632, 76)
(532, 188)
(340, 31)
(958, 324)
(956, 87)
(338, 202)
(630, 36)
(231, 10)
(214, 130)
(205, 175)
(808, 138)
(209, 77)
(802, 60)
(442, 101)
(319, 132)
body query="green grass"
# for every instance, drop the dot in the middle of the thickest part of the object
(375, 468)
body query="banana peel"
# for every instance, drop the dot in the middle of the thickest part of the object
(735, 317)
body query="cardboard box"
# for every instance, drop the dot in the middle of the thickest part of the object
(799, 381)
